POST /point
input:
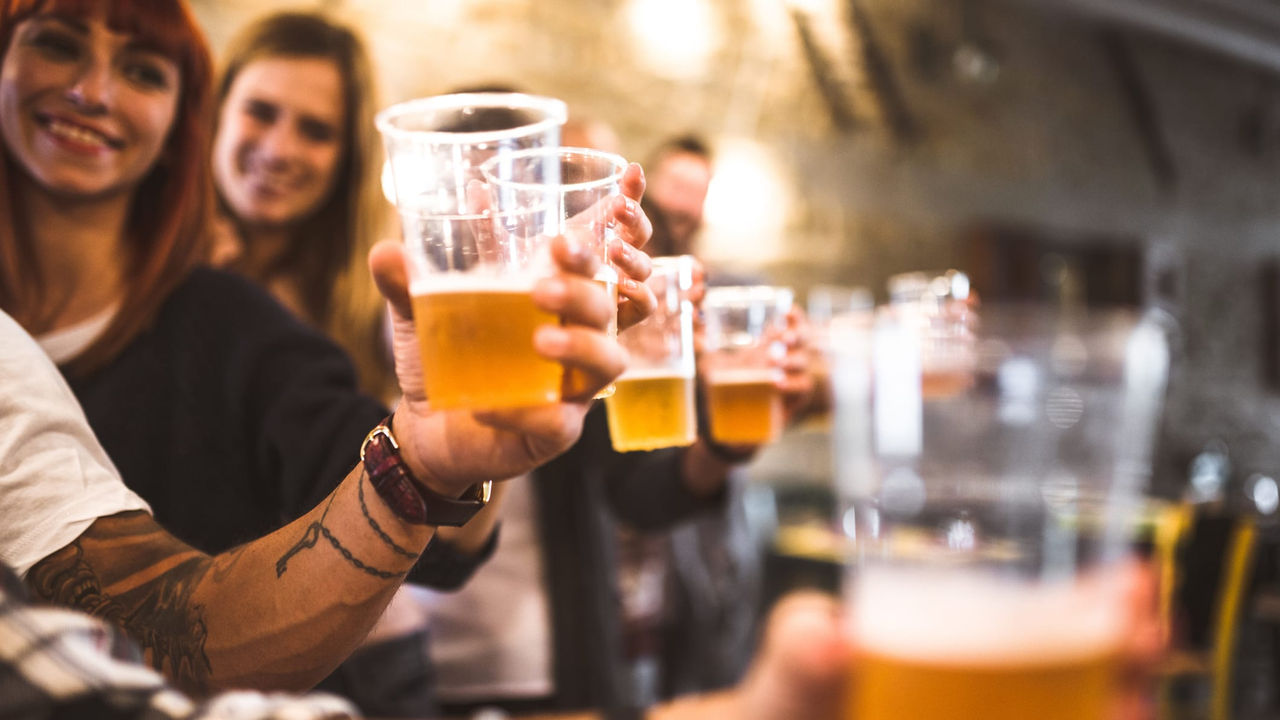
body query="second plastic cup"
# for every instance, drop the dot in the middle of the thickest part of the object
(653, 406)
(571, 192)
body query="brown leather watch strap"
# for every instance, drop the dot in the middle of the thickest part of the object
(408, 498)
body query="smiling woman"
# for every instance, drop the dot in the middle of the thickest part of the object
(295, 164)
(86, 108)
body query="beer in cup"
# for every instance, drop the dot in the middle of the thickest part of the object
(744, 328)
(471, 268)
(572, 189)
(939, 306)
(989, 526)
(653, 405)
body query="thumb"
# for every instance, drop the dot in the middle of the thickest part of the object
(387, 263)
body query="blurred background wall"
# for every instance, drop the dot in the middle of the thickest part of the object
(1069, 149)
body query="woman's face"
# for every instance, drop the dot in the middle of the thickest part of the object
(280, 130)
(84, 110)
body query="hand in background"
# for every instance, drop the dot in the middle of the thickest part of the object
(797, 384)
(635, 299)
(800, 671)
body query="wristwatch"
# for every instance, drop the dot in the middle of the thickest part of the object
(411, 500)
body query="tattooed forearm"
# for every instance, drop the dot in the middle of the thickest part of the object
(317, 530)
(157, 613)
(382, 534)
(278, 613)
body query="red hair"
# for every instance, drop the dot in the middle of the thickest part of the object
(167, 224)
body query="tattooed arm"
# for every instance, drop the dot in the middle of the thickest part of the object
(277, 613)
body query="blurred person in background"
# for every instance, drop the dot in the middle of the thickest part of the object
(712, 568)
(588, 132)
(679, 177)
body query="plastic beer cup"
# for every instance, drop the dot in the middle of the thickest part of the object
(471, 270)
(653, 406)
(744, 327)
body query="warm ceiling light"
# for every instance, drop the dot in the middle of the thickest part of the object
(747, 205)
(676, 38)
(811, 7)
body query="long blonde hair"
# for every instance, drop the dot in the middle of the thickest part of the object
(326, 257)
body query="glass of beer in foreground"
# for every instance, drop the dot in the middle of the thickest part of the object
(471, 269)
(988, 526)
(571, 190)
(740, 363)
(653, 406)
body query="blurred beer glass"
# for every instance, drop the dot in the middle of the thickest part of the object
(653, 406)
(940, 307)
(472, 270)
(744, 346)
(989, 524)
(825, 303)
(571, 190)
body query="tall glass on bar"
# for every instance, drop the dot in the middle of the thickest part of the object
(740, 365)
(472, 269)
(653, 406)
(940, 306)
(824, 303)
(988, 524)
(573, 190)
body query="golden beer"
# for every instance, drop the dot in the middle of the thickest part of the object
(652, 409)
(476, 339)
(936, 384)
(745, 406)
(986, 657)
(607, 277)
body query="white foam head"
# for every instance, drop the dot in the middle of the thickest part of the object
(953, 617)
(474, 282)
(743, 376)
(657, 373)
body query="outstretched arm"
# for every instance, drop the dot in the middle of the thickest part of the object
(276, 613)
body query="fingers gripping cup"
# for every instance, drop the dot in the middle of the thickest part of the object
(989, 523)
(653, 406)
(563, 191)
(744, 346)
(472, 269)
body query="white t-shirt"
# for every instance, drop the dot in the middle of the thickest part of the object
(55, 479)
(62, 345)
(492, 638)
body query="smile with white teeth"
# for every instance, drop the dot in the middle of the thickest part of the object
(77, 134)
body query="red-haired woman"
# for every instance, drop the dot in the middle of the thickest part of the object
(224, 412)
